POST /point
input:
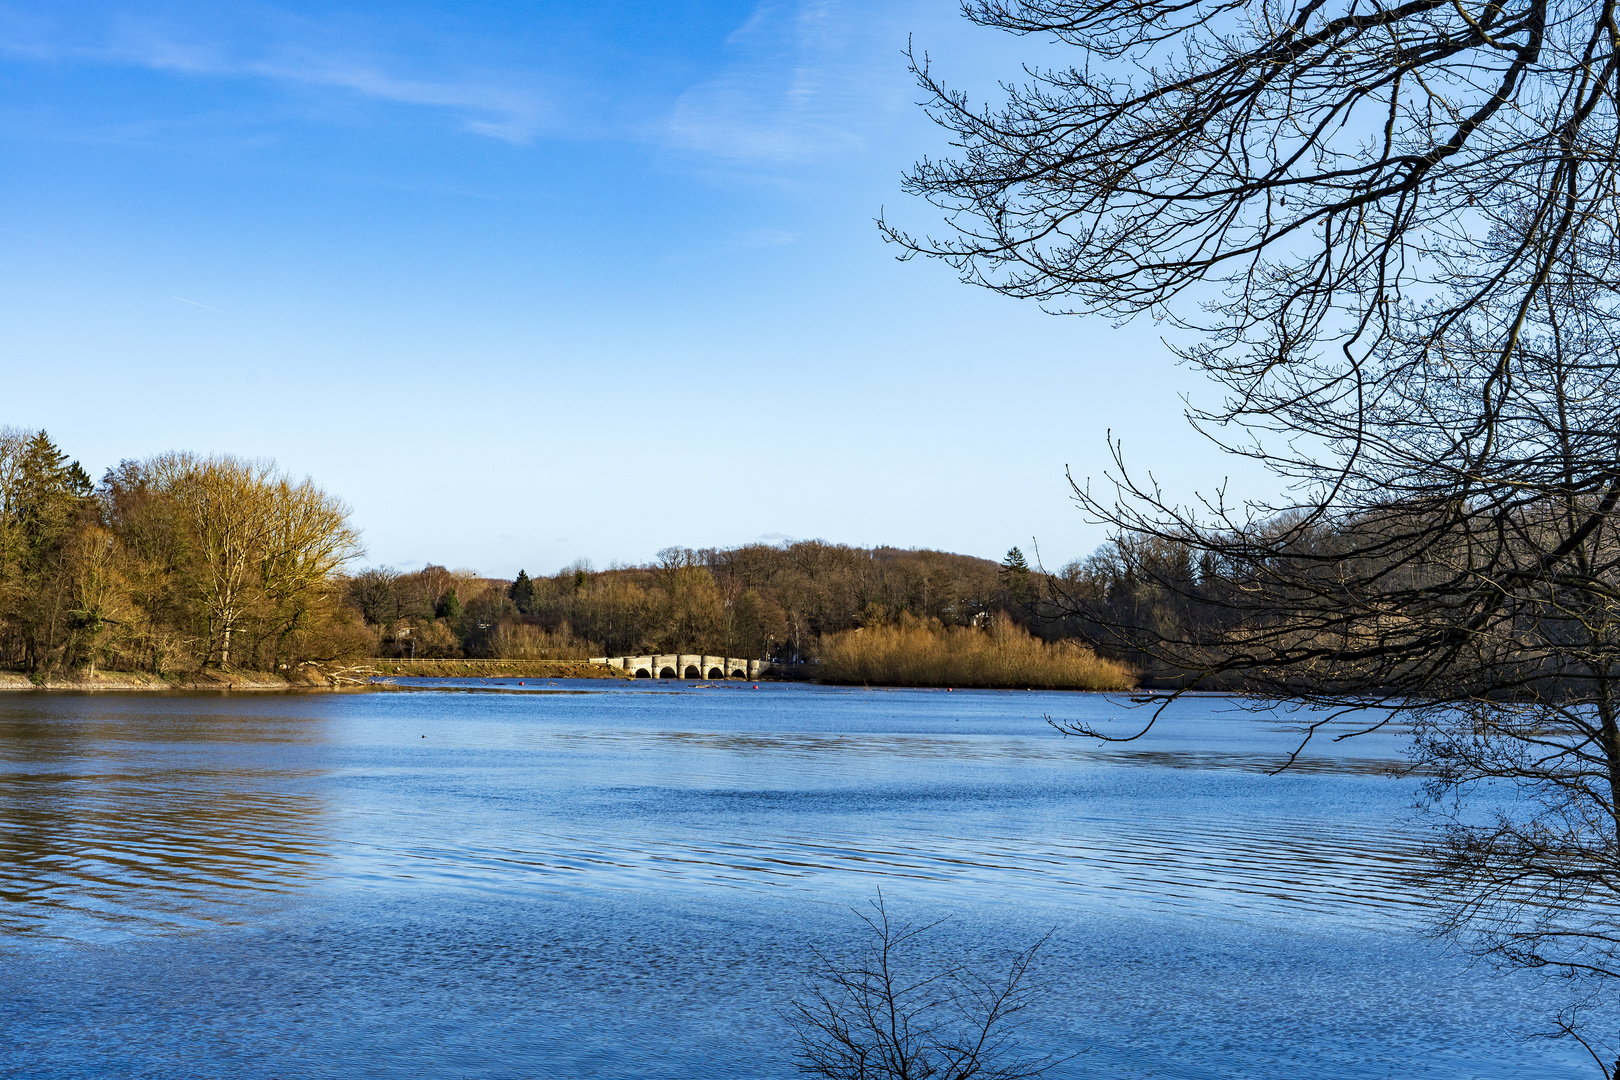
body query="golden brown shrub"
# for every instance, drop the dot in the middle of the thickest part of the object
(925, 653)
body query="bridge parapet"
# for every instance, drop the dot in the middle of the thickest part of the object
(686, 666)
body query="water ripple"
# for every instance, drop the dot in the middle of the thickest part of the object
(1289, 867)
(153, 825)
(163, 849)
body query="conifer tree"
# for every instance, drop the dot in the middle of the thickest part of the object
(50, 491)
(1015, 579)
(522, 592)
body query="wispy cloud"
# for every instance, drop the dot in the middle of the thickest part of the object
(485, 108)
(799, 86)
(194, 303)
(763, 238)
(802, 80)
(510, 106)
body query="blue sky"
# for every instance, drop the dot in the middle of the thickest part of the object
(525, 283)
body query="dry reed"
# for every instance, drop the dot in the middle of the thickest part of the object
(918, 653)
(520, 641)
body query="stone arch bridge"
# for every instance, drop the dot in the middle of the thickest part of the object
(686, 666)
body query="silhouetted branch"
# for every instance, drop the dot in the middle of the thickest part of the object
(871, 1018)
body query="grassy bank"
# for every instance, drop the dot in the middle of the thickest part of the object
(927, 654)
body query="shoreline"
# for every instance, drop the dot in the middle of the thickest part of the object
(137, 680)
(485, 669)
(363, 675)
(350, 681)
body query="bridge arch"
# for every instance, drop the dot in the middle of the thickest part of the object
(693, 666)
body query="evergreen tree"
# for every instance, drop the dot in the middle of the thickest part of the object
(449, 607)
(50, 491)
(1015, 579)
(78, 481)
(522, 592)
(46, 569)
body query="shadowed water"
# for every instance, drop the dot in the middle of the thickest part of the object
(539, 881)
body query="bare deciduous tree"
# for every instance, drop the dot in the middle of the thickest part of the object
(1390, 234)
(1317, 160)
(873, 1018)
(262, 543)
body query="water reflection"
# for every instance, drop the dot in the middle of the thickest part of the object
(165, 812)
(1268, 762)
(130, 820)
(622, 882)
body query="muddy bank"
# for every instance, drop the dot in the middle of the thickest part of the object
(312, 676)
(140, 680)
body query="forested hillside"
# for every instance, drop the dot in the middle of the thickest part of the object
(757, 600)
(180, 563)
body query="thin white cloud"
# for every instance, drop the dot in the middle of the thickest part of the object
(205, 307)
(758, 238)
(137, 48)
(805, 80)
(490, 109)
(800, 86)
(504, 106)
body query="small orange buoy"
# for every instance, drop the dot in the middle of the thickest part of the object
(520, 682)
(756, 686)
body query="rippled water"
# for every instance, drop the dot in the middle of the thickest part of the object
(601, 880)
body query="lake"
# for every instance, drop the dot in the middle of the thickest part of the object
(606, 879)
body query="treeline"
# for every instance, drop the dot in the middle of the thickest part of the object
(175, 563)
(1178, 614)
(1129, 582)
(181, 562)
(757, 600)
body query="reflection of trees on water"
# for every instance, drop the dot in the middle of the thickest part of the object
(146, 820)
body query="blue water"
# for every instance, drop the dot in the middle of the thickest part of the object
(594, 879)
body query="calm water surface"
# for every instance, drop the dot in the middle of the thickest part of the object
(595, 879)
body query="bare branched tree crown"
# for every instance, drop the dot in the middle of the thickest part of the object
(1389, 232)
(1322, 161)
(875, 1018)
(1409, 214)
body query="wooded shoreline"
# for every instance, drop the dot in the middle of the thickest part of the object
(217, 572)
(376, 675)
(346, 676)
